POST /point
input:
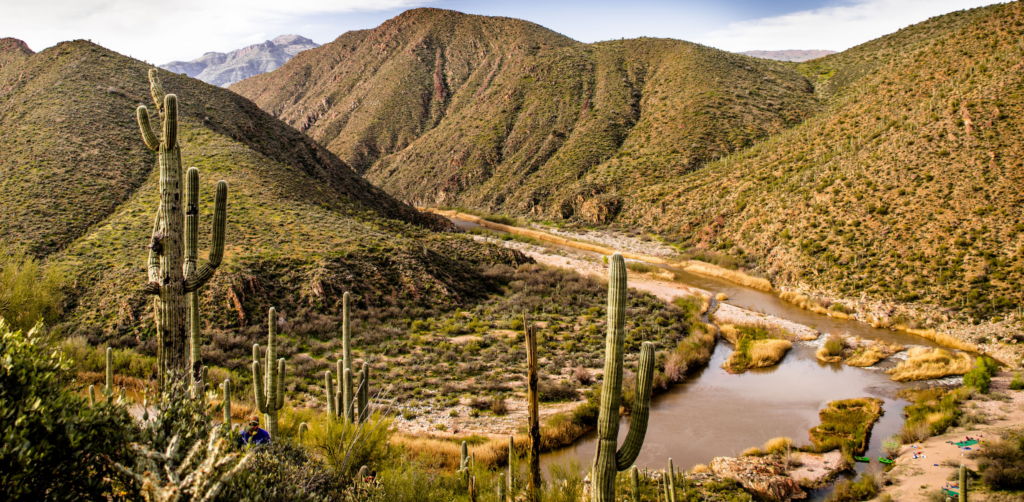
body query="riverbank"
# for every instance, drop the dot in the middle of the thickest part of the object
(920, 479)
(1001, 339)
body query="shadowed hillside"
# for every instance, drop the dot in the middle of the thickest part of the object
(78, 186)
(907, 187)
(439, 107)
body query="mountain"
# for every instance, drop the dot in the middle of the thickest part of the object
(897, 178)
(907, 186)
(79, 188)
(797, 55)
(439, 107)
(222, 69)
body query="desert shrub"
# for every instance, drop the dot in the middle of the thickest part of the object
(29, 292)
(845, 424)
(835, 345)
(1017, 383)
(499, 407)
(933, 411)
(283, 471)
(1001, 463)
(980, 377)
(346, 446)
(55, 446)
(891, 445)
(561, 390)
(864, 488)
(582, 376)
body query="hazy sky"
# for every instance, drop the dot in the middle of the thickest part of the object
(160, 31)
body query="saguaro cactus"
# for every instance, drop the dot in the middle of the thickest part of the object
(269, 387)
(963, 483)
(608, 460)
(173, 271)
(351, 400)
(226, 403)
(532, 380)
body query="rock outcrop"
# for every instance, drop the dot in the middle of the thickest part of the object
(224, 69)
(764, 476)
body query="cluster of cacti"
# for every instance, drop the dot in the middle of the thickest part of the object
(670, 482)
(208, 467)
(269, 387)
(609, 459)
(464, 460)
(352, 400)
(172, 268)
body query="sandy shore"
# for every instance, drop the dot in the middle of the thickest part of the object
(914, 479)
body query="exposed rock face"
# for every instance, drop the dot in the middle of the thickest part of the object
(222, 69)
(795, 56)
(763, 476)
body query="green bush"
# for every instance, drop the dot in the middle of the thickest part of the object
(980, 377)
(1017, 383)
(865, 488)
(345, 446)
(1001, 463)
(282, 472)
(55, 446)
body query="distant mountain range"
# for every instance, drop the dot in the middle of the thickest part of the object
(222, 69)
(796, 56)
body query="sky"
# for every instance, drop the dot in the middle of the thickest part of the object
(159, 31)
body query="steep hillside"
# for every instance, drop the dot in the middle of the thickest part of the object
(78, 186)
(908, 187)
(439, 107)
(224, 69)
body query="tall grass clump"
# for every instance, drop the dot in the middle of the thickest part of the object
(756, 347)
(832, 351)
(29, 292)
(864, 357)
(925, 364)
(346, 446)
(845, 424)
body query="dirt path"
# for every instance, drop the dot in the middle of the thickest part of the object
(915, 479)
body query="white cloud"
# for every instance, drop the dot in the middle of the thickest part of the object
(836, 27)
(162, 31)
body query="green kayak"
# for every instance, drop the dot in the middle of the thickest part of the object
(862, 459)
(884, 460)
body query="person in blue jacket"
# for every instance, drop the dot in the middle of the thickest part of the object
(254, 434)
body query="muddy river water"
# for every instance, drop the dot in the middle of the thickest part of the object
(714, 413)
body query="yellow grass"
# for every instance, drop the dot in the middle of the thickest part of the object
(765, 353)
(778, 445)
(823, 355)
(699, 267)
(925, 364)
(700, 469)
(721, 297)
(944, 339)
(99, 379)
(874, 353)
(752, 452)
(730, 333)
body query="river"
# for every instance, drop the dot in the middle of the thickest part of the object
(714, 413)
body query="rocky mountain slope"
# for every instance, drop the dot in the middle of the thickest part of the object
(224, 69)
(439, 107)
(906, 187)
(78, 187)
(897, 178)
(797, 56)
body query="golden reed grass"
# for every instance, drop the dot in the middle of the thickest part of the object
(765, 353)
(925, 364)
(778, 445)
(130, 383)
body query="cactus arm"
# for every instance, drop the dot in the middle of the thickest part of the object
(364, 403)
(171, 120)
(346, 349)
(339, 401)
(280, 384)
(155, 89)
(148, 137)
(191, 221)
(630, 448)
(329, 389)
(206, 271)
(271, 375)
(347, 395)
(257, 380)
(92, 395)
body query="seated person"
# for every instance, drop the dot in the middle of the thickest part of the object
(253, 435)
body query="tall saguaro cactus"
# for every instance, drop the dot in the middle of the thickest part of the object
(532, 379)
(609, 459)
(351, 399)
(173, 262)
(269, 387)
